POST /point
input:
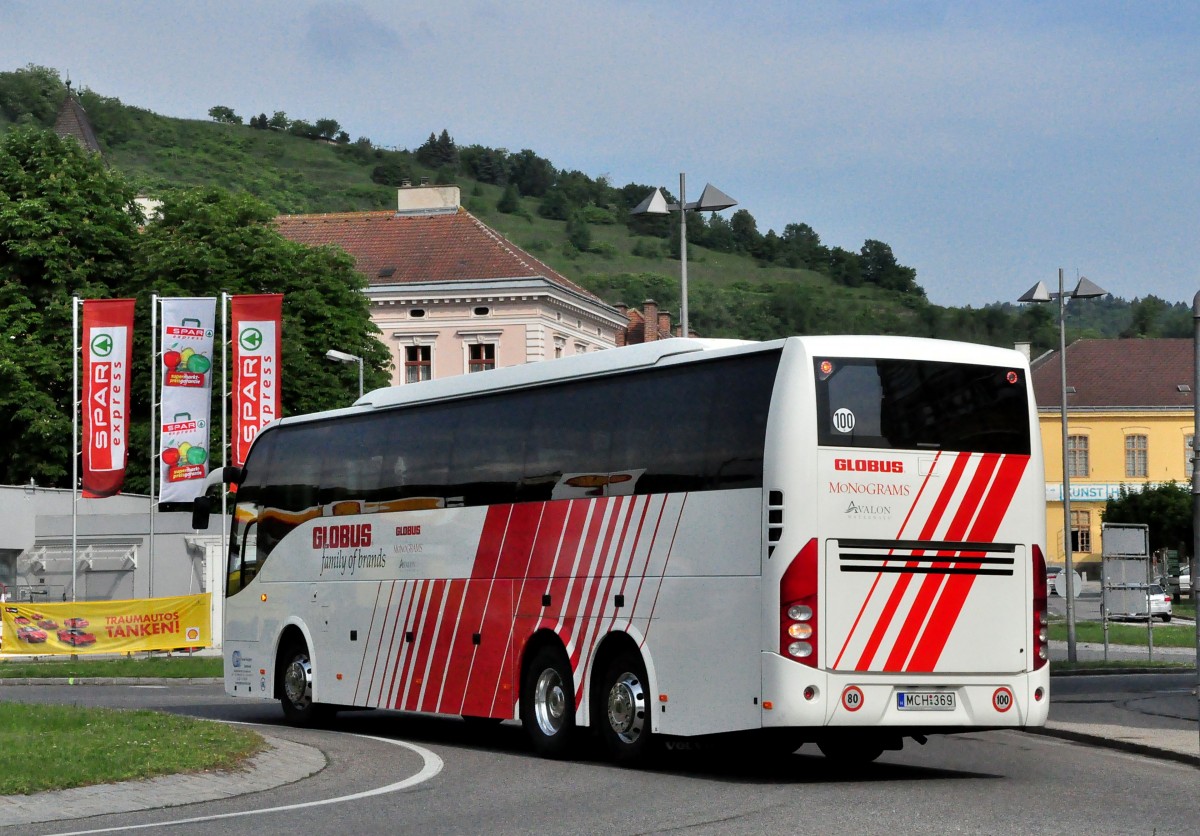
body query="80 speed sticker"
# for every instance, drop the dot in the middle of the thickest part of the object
(852, 698)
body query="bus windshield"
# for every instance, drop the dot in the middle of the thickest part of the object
(921, 405)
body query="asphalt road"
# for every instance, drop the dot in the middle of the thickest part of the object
(994, 782)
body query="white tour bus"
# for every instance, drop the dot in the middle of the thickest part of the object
(825, 539)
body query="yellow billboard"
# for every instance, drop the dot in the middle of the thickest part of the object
(107, 626)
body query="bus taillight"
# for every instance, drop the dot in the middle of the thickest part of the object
(798, 607)
(1041, 643)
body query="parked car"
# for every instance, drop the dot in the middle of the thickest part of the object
(75, 636)
(30, 634)
(1185, 580)
(1160, 603)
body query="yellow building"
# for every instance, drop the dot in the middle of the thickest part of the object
(1130, 421)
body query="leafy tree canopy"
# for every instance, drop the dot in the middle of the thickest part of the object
(1166, 509)
(69, 226)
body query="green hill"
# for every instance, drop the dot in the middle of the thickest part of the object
(743, 283)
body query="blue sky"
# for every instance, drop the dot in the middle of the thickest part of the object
(988, 143)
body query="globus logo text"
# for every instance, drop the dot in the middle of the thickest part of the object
(342, 536)
(868, 466)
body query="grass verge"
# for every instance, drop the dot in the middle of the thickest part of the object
(1117, 664)
(168, 667)
(1165, 635)
(52, 747)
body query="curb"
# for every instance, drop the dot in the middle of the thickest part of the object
(282, 762)
(1122, 745)
(1121, 671)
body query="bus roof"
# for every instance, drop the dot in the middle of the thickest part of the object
(645, 355)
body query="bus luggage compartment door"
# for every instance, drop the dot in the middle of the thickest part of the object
(926, 607)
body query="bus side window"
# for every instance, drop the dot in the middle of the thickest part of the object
(244, 558)
(290, 498)
(569, 437)
(488, 449)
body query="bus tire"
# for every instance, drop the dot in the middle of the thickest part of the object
(625, 709)
(295, 688)
(851, 750)
(548, 703)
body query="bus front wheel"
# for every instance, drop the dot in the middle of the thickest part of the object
(625, 725)
(295, 693)
(548, 703)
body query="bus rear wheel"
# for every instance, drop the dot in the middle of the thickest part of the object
(625, 724)
(851, 750)
(548, 703)
(295, 692)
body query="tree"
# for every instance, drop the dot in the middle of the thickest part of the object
(32, 94)
(278, 121)
(438, 151)
(746, 237)
(532, 174)
(210, 240)
(327, 128)
(578, 231)
(1165, 508)
(221, 113)
(68, 226)
(510, 201)
(879, 267)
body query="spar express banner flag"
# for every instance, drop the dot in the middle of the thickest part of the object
(107, 361)
(186, 343)
(256, 350)
(108, 626)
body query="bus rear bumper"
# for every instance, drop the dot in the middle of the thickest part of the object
(795, 695)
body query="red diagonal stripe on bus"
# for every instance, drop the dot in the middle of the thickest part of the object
(573, 587)
(379, 641)
(532, 584)
(875, 583)
(494, 664)
(933, 642)
(519, 540)
(491, 538)
(443, 644)
(897, 595)
(594, 580)
(663, 573)
(410, 590)
(603, 626)
(927, 594)
(479, 591)
(513, 565)
(425, 630)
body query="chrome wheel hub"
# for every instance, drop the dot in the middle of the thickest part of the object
(297, 682)
(550, 702)
(627, 708)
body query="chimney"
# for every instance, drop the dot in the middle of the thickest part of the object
(427, 200)
(650, 317)
(664, 322)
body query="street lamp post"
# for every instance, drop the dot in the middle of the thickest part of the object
(342, 357)
(711, 199)
(1038, 293)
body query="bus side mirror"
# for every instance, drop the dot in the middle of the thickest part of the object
(201, 510)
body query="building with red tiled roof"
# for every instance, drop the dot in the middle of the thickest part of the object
(1130, 421)
(646, 325)
(451, 295)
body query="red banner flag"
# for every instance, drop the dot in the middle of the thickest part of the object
(256, 348)
(107, 360)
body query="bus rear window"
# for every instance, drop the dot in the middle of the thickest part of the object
(921, 405)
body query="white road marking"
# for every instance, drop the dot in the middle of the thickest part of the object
(432, 766)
